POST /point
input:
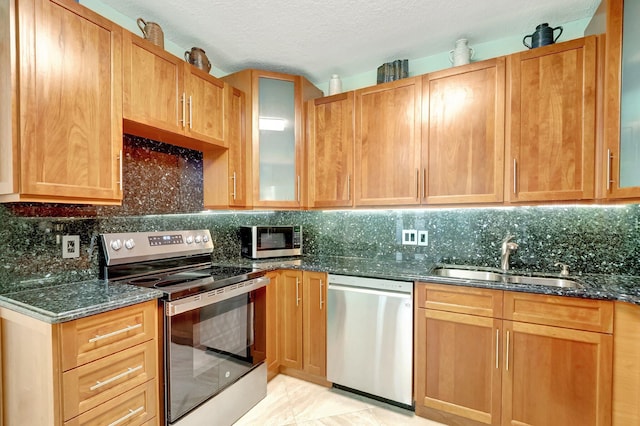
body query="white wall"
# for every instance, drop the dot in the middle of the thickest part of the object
(417, 66)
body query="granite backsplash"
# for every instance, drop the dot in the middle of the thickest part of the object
(163, 191)
(590, 239)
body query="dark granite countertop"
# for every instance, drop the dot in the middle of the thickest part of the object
(593, 286)
(65, 302)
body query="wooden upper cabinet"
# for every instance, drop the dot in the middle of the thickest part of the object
(239, 162)
(550, 152)
(274, 125)
(61, 118)
(463, 134)
(205, 97)
(387, 143)
(621, 127)
(169, 100)
(330, 151)
(153, 85)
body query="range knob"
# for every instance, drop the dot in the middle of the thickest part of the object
(116, 245)
(129, 244)
(205, 238)
(198, 239)
(189, 239)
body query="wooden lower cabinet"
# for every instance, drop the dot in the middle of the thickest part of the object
(302, 324)
(314, 323)
(555, 375)
(272, 326)
(626, 365)
(457, 371)
(475, 365)
(111, 377)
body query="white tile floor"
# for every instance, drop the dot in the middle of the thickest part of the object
(291, 401)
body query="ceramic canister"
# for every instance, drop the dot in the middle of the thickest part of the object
(335, 85)
(462, 54)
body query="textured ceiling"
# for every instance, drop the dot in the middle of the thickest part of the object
(317, 38)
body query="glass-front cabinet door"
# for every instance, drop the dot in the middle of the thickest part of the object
(622, 101)
(274, 135)
(279, 178)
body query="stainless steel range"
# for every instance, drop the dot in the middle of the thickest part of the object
(213, 322)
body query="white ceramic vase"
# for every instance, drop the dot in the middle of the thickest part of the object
(335, 85)
(462, 54)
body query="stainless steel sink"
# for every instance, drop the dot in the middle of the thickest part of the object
(471, 274)
(467, 274)
(548, 281)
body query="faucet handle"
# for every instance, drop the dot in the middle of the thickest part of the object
(565, 269)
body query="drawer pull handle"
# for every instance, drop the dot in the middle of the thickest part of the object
(100, 384)
(114, 333)
(127, 416)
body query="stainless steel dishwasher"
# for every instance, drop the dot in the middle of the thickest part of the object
(370, 336)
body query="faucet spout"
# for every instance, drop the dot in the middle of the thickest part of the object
(507, 248)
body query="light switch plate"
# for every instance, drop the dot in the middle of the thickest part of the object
(423, 238)
(70, 246)
(409, 237)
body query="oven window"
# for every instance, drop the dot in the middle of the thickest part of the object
(211, 347)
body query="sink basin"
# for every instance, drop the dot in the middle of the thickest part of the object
(548, 281)
(470, 274)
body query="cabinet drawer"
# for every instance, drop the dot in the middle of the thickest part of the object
(569, 312)
(463, 300)
(132, 408)
(92, 384)
(87, 339)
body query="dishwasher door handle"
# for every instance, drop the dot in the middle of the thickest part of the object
(368, 290)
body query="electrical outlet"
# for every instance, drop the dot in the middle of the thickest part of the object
(423, 238)
(70, 246)
(409, 237)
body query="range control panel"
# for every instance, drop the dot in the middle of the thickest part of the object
(130, 247)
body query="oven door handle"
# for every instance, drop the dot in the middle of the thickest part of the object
(214, 296)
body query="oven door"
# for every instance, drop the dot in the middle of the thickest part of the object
(213, 339)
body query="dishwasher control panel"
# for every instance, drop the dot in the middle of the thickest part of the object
(372, 283)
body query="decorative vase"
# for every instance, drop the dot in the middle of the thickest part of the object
(462, 54)
(335, 84)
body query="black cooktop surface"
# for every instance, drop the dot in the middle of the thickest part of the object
(185, 283)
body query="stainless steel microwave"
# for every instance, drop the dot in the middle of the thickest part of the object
(260, 242)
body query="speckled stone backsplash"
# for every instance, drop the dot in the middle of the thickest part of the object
(589, 239)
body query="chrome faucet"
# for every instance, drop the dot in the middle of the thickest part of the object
(507, 248)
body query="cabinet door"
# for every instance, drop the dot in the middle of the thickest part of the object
(70, 102)
(153, 85)
(330, 151)
(205, 97)
(272, 325)
(463, 134)
(555, 375)
(387, 144)
(239, 168)
(290, 311)
(315, 323)
(457, 370)
(621, 177)
(550, 154)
